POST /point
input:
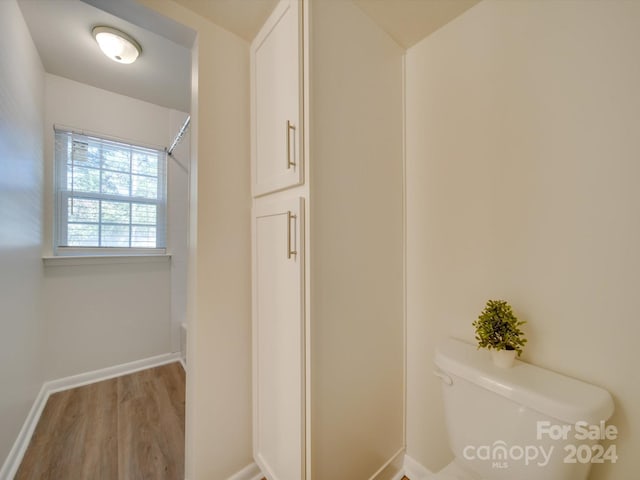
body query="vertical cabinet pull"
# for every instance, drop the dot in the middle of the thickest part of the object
(290, 217)
(290, 126)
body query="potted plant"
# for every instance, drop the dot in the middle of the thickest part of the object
(498, 330)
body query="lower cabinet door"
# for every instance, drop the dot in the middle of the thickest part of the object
(278, 339)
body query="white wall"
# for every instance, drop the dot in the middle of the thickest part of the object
(103, 315)
(219, 309)
(219, 389)
(356, 236)
(178, 225)
(21, 114)
(219, 350)
(523, 136)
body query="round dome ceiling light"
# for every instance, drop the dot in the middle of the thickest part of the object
(116, 45)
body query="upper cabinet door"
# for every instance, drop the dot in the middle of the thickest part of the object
(276, 104)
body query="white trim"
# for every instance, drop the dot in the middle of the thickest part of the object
(61, 260)
(399, 476)
(82, 379)
(13, 460)
(414, 470)
(250, 472)
(405, 282)
(389, 462)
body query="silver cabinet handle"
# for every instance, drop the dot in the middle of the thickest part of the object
(446, 379)
(290, 217)
(290, 126)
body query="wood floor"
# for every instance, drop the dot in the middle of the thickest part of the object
(126, 428)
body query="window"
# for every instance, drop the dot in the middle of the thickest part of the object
(110, 197)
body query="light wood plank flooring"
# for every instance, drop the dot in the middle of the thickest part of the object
(126, 428)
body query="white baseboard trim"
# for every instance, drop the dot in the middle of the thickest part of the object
(250, 472)
(82, 379)
(410, 468)
(13, 460)
(415, 470)
(399, 476)
(389, 462)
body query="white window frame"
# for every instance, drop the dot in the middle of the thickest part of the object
(62, 195)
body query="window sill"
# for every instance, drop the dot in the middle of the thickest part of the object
(59, 261)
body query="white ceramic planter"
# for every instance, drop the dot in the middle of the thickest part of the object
(503, 358)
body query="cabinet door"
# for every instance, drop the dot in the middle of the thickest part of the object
(276, 80)
(278, 340)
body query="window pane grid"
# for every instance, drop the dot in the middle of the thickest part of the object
(69, 164)
(114, 195)
(85, 209)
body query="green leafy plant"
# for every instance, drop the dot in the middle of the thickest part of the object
(498, 328)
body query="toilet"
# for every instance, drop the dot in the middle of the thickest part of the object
(524, 422)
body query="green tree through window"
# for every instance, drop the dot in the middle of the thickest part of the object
(110, 195)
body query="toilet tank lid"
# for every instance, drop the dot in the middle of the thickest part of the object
(555, 395)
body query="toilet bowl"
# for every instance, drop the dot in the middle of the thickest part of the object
(503, 423)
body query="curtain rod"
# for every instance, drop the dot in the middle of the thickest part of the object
(181, 133)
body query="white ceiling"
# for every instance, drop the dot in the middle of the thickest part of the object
(409, 21)
(61, 31)
(242, 17)
(406, 21)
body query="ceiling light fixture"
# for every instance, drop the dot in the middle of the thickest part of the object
(116, 45)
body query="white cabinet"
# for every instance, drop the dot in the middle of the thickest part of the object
(278, 337)
(276, 105)
(328, 331)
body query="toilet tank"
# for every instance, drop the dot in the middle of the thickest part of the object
(524, 422)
